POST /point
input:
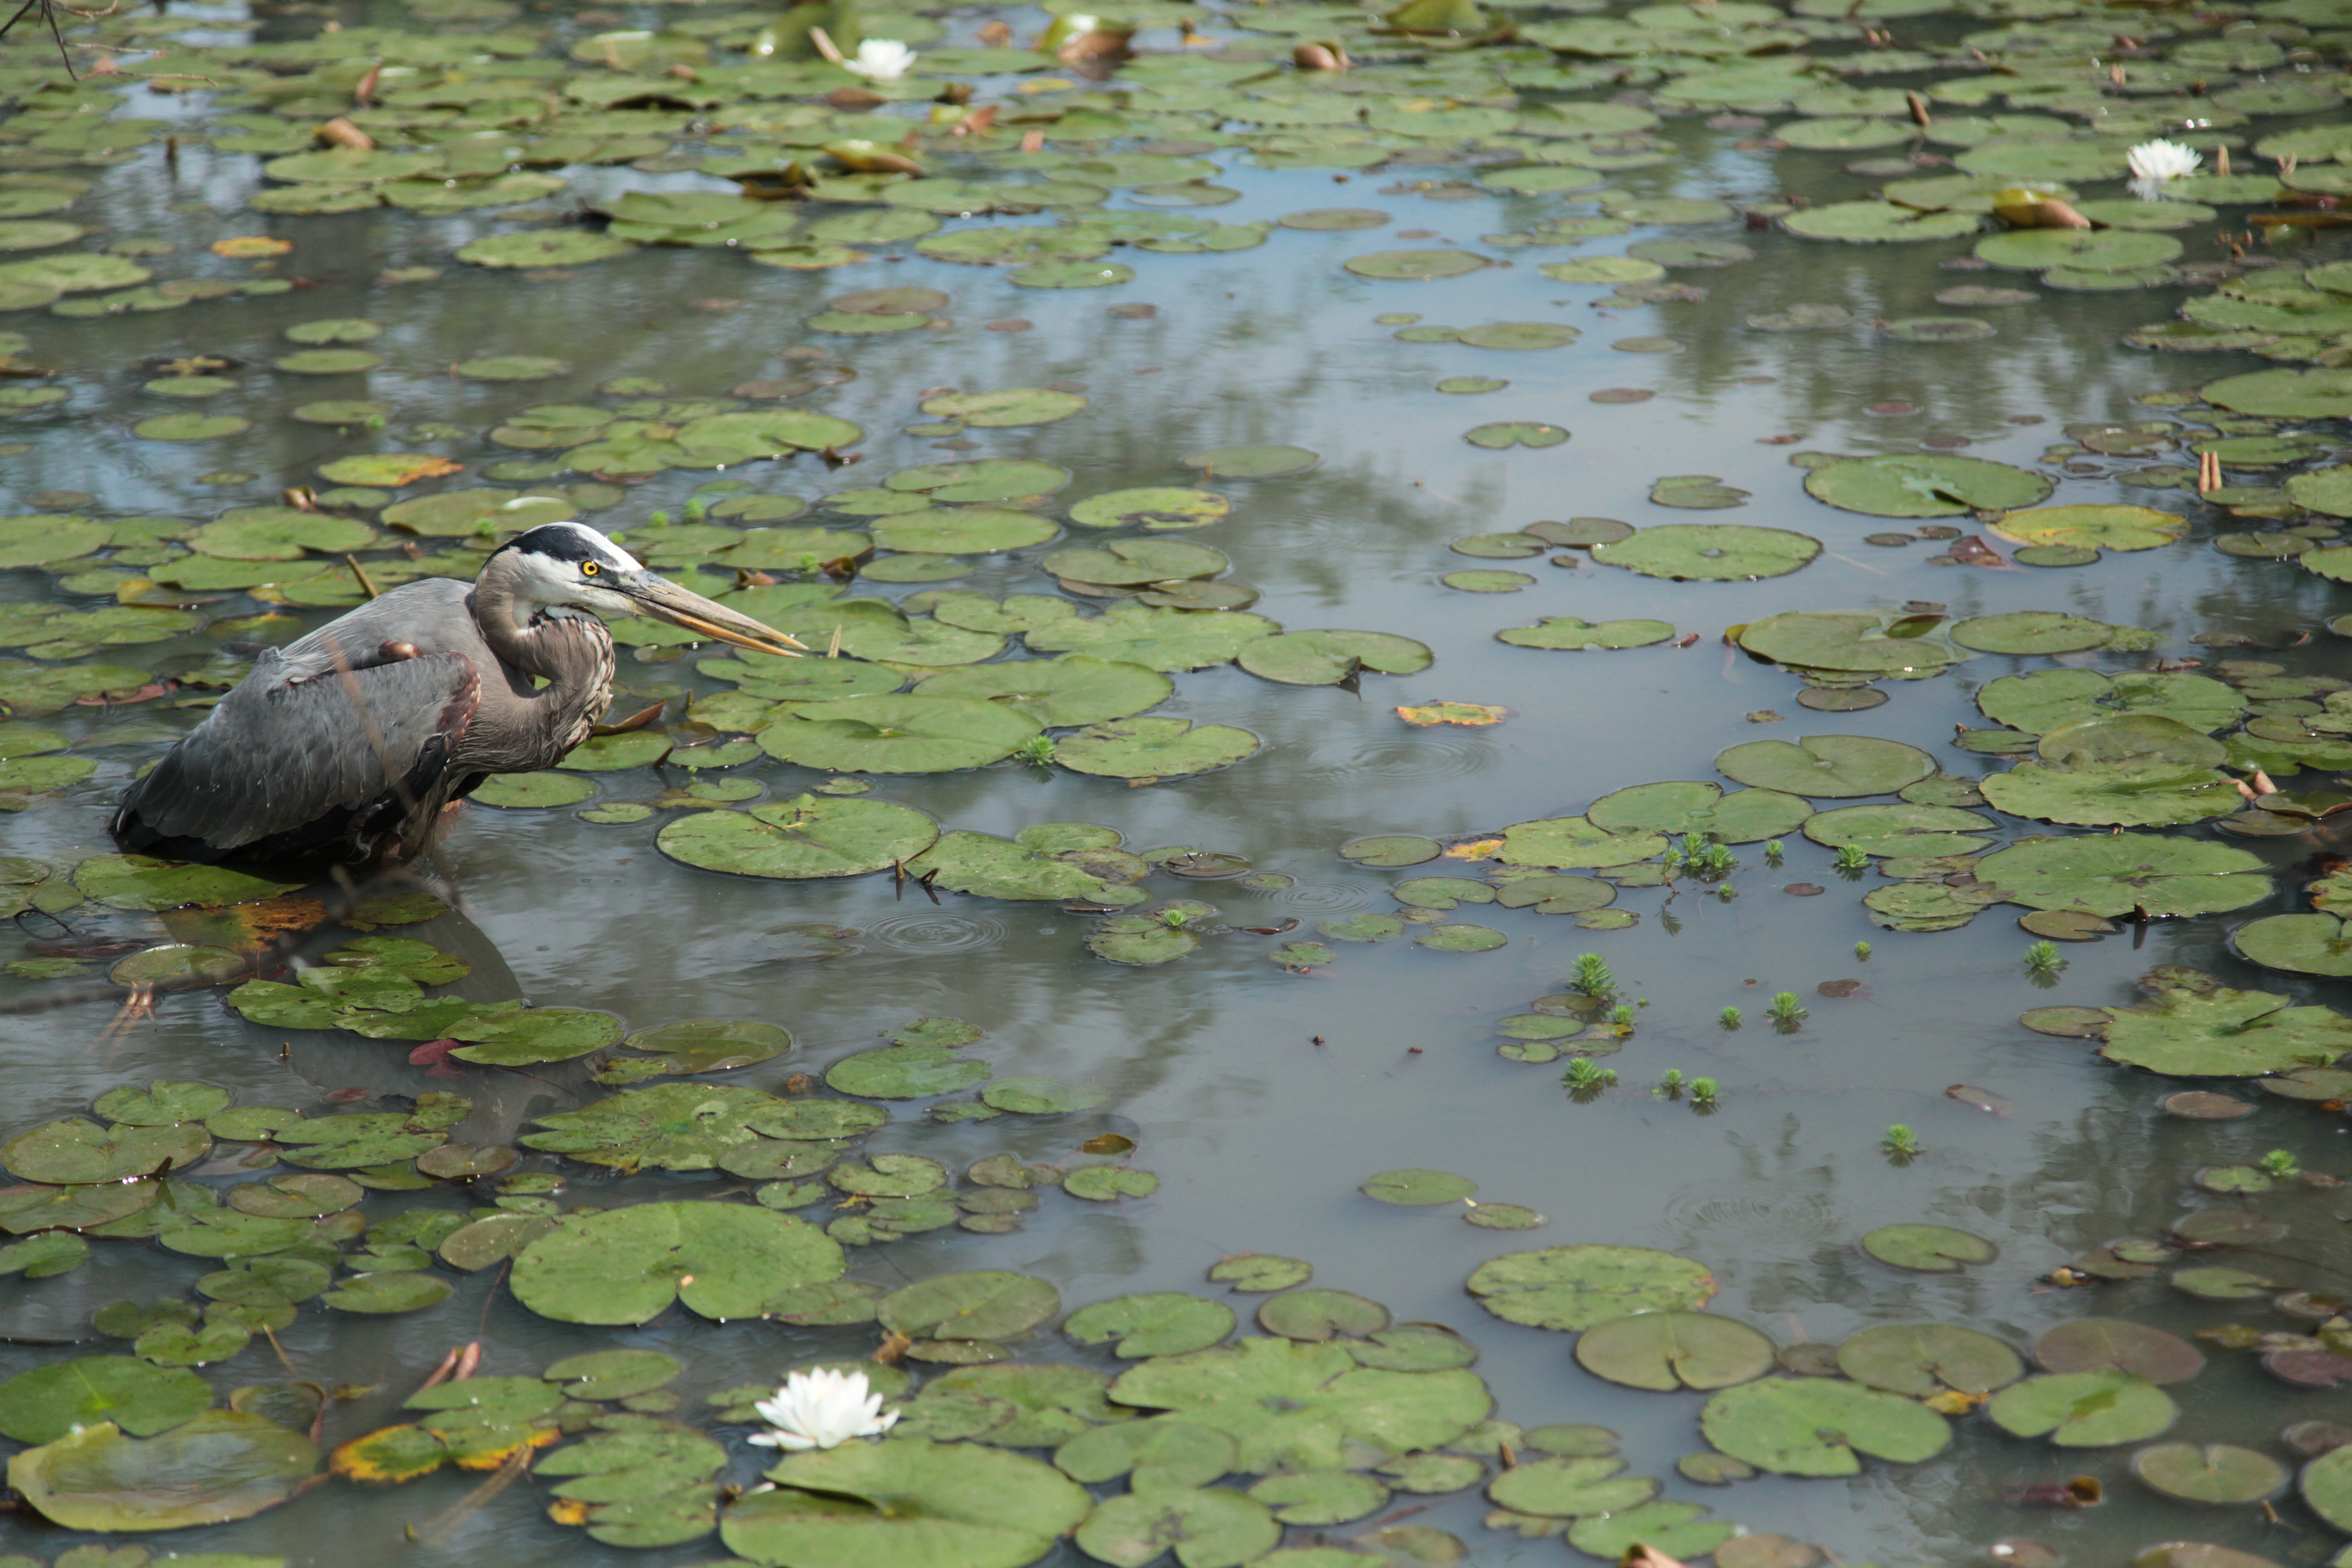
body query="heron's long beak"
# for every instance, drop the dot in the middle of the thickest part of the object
(664, 599)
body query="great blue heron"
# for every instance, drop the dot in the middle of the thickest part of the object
(346, 746)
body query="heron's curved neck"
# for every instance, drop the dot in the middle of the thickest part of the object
(571, 654)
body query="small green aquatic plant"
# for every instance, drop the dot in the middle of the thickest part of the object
(1586, 1076)
(1773, 852)
(1787, 1011)
(1671, 1085)
(695, 510)
(1591, 977)
(1852, 857)
(1175, 919)
(1622, 1014)
(1900, 1144)
(1704, 1094)
(1861, 951)
(1036, 752)
(1729, 1017)
(656, 519)
(2282, 1164)
(1727, 893)
(2042, 958)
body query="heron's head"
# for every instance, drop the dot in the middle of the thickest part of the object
(563, 568)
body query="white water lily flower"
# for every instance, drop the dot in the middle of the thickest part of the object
(2155, 163)
(822, 1409)
(881, 59)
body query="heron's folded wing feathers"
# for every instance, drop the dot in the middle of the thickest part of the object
(277, 754)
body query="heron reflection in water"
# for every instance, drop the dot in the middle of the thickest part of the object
(346, 746)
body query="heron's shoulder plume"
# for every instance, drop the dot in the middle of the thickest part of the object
(570, 542)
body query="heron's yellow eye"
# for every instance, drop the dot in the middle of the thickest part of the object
(587, 569)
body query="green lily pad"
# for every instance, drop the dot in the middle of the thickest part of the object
(1920, 1359)
(75, 1151)
(1924, 485)
(2093, 250)
(1040, 862)
(1927, 1249)
(533, 791)
(955, 1504)
(1419, 1187)
(1329, 658)
(47, 1403)
(696, 1045)
(2048, 698)
(1515, 432)
(543, 247)
(1301, 1405)
(1155, 508)
(1574, 843)
(1574, 1288)
(1743, 817)
(2115, 874)
(1710, 553)
(1569, 1487)
(1415, 265)
(800, 838)
(191, 428)
(1569, 632)
(1852, 641)
(628, 1265)
(1669, 1351)
(222, 1465)
(1212, 1528)
(2213, 1473)
(984, 1304)
(1020, 406)
(2299, 944)
(2326, 1485)
(1827, 767)
(1877, 223)
(1167, 1323)
(897, 734)
(1153, 748)
(2095, 1409)
(2094, 527)
(1820, 1427)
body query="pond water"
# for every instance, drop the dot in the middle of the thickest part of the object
(1210, 989)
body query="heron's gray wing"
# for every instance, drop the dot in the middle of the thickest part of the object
(282, 753)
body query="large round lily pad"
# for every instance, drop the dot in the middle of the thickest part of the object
(907, 1501)
(1306, 1404)
(803, 837)
(2116, 874)
(1920, 1359)
(219, 1466)
(1828, 767)
(1742, 816)
(2094, 527)
(1710, 551)
(2085, 1409)
(897, 734)
(1074, 689)
(1573, 1288)
(2298, 944)
(45, 1404)
(984, 1304)
(1329, 658)
(1820, 1427)
(1670, 1350)
(1930, 484)
(2211, 1473)
(626, 1265)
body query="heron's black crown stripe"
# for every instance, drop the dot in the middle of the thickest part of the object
(559, 542)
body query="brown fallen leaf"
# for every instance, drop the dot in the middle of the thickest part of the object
(1640, 1554)
(340, 133)
(1971, 551)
